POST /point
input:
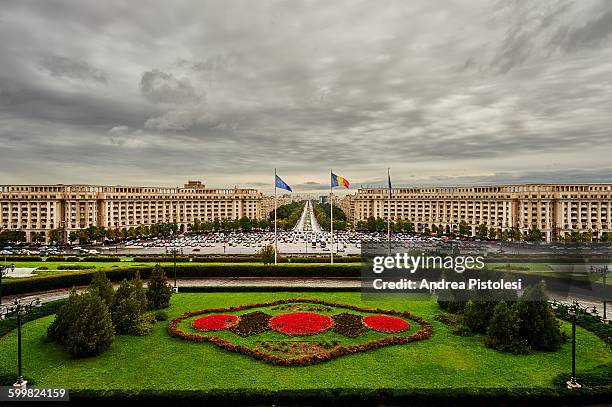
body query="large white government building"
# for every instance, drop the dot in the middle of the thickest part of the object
(556, 210)
(41, 208)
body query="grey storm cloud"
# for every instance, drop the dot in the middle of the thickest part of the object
(60, 66)
(162, 87)
(490, 91)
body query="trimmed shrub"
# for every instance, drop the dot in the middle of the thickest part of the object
(503, 332)
(267, 254)
(102, 259)
(76, 278)
(477, 315)
(102, 285)
(139, 292)
(59, 329)
(73, 259)
(55, 258)
(92, 333)
(127, 310)
(158, 289)
(42, 268)
(83, 325)
(75, 267)
(160, 316)
(241, 259)
(539, 326)
(22, 258)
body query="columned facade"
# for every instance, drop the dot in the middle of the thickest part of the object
(41, 208)
(553, 209)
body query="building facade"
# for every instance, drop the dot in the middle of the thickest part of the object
(41, 208)
(347, 204)
(267, 204)
(556, 210)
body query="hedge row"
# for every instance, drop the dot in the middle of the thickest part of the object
(62, 258)
(463, 396)
(75, 267)
(49, 308)
(239, 259)
(80, 278)
(22, 258)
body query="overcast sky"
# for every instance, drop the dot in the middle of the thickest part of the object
(443, 92)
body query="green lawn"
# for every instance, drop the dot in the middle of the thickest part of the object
(160, 362)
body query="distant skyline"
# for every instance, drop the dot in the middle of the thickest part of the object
(444, 93)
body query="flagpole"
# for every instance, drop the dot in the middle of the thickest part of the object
(331, 217)
(275, 236)
(389, 211)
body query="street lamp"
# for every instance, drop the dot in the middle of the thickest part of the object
(20, 310)
(604, 274)
(573, 310)
(4, 270)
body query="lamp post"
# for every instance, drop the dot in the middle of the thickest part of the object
(604, 275)
(20, 310)
(573, 310)
(4, 270)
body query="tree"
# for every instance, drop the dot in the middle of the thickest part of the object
(245, 224)
(371, 224)
(464, 229)
(267, 254)
(102, 285)
(128, 308)
(92, 332)
(539, 325)
(478, 314)
(503, 332)
(12, 236)
(139, 292)
(55, 235)
(493, 233)
(83, 325)
(482, 232)
(534, 235)
(158, 289)
(37, 237)
(64, 319)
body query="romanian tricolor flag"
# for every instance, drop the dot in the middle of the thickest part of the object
(339, 181)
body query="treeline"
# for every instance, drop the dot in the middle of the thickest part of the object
(380, 225)
(321, 212)
(243, 224)
(288, 215)
(99, 233)
(12, 236)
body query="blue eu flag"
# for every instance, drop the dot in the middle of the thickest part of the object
(282, 184)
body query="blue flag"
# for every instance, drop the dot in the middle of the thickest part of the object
(282, 184)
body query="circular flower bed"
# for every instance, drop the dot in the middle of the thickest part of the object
(385, 323)
(215, 322)
(300, 323)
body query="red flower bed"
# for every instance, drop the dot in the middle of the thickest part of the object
(215, 322)
(385, 323)
(300, 323)
(425, 331)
